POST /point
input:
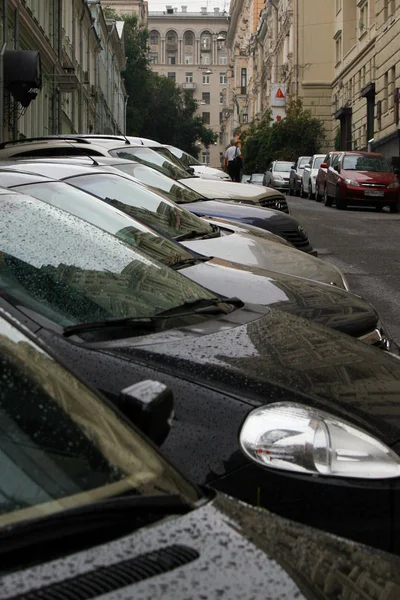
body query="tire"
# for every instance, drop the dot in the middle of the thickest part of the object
(340, 203)
(327, 200)
(310, 195)
(302, 194)
(318, 197)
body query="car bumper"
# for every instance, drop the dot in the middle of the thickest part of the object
(279, 185)
(361, 510)
(360, 195)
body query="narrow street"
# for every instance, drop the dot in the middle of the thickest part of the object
(364, 244)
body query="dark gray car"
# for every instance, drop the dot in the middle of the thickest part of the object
(296, 175)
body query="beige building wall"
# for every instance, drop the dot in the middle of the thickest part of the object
(128, 7)
(189, 47)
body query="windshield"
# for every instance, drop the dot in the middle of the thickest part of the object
(71, 272)
(53, 454)
(318, 162)
(174, 190)
(168, 154)
(103, 215)
(359, 162)
(303, 162)
(141, 203)
(187, 159)
(282, 167)
(147, 156)
(257, 177)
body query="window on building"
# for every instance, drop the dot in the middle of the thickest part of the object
(188, 59)
(221, 117)
(223, 78)
(206, 118)
(363, 19)
(205, 155)
(206, 97)
(221, 97)
(154, 38)
(223, 60)
(188, 38)
(243, 81)
(171, 59)
(205, 59)
(189, 77)
(206, 78)
(153, 59)
(386, 91)
(338, 48)
(391, 87)
(389, 8)
(205, 41)
(172, 76)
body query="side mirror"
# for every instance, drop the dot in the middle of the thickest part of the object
(293, 167)
(323, 165)
(396, 170)
(149, 405)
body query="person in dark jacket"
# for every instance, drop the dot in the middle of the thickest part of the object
(233, 161)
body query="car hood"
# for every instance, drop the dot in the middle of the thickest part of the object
(226, 549)
(227, 189)
(368, 176)
(210, 172)
(227, 227)
(278, 357)
(254, 251)
(324, 304)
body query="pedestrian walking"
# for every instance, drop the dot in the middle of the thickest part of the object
(233, 161)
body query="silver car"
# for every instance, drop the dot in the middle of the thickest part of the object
(277, 175)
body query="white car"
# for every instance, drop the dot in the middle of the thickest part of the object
(310, 173)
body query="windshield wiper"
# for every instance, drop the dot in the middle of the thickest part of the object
(123, 510)
(187, 262)
(189, 235)
(190, 307)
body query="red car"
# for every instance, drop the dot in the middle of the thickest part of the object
(361, 178)
(321, 175)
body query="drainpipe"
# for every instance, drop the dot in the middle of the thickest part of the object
(59, 16)
(3, 49)
(17, 45)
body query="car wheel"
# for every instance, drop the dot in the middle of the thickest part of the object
(394, 208)
(310, 194)
(340, 203)
(302, 194)
(318, 197)
(327, 200)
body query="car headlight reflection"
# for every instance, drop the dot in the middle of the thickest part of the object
(301, 439)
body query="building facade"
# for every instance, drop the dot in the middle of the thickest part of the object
(190, 48)
(128, 7)
(81, 56)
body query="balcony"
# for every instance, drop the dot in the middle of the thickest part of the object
(189, 86)
(171, 46)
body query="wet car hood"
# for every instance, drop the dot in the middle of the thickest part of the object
(262, 253)
(225, 549)
(227, 189)
(324, 304)
(242, 212)
(368, 176)
(278, 357)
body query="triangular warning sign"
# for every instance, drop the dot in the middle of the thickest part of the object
(279, 94)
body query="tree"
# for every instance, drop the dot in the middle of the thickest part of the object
(298, 134)
(156, 107)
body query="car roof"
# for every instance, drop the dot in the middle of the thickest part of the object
(61, 169)
(97, 147)
(362, 153)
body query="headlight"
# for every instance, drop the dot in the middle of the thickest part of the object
(298, 438)
(352, 182)
(279, 177)
(393, 185)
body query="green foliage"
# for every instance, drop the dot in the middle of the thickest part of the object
(156, 107)
(110, 13)
(298, 134)
(338, 139)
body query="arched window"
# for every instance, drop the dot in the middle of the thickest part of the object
(188, 38)
(205, 41)
(154, 38)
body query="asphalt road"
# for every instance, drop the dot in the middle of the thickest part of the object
(365, 245)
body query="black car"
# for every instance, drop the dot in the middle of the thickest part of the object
(270, 408)
(89, 507)
(296, 175)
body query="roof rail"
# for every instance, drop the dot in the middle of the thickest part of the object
(54, 138)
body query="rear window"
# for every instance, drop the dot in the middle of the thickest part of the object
(318, 162)
(282, 167)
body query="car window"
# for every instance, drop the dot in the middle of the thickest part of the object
(335, 160)
(303, 161)
(147, 156)
(187, 159)
(257, 177)
(360, 162)
(103, 215)
(174, 190)
(168, 154)
(72, 272)
(53, 454)
(141, 203)
(57, 151)
(282, 167)
(318, 162)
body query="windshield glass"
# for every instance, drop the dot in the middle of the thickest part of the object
(168, 154)
(303, 162)
(147, 156)
(187, 159)
(53, 454)
(174, 190)
(103, 215)
(282, 167)
(141, 203)
(359, 162)
(257, 177)
(71, 272)
(318, 162)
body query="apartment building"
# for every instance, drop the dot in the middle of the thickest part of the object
(189, 48)
(79, 57)
(128, 7)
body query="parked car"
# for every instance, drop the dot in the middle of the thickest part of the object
(339, 310)
(109, 146)
(256, 178)
(83, 516)
(241, 374)
(296, 175)
(156, 211)
(245, 178)
(308, 183)
(277, 175)
(362, 178)
(321, 175)
(199, 169)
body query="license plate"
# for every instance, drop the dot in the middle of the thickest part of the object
(374, 193)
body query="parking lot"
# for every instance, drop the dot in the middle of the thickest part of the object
(364, 244)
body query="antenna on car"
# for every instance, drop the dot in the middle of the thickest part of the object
(65, 139)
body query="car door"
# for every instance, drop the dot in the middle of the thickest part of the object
(293, 176)
(333, 175)
(307, 176)
(321, 177)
